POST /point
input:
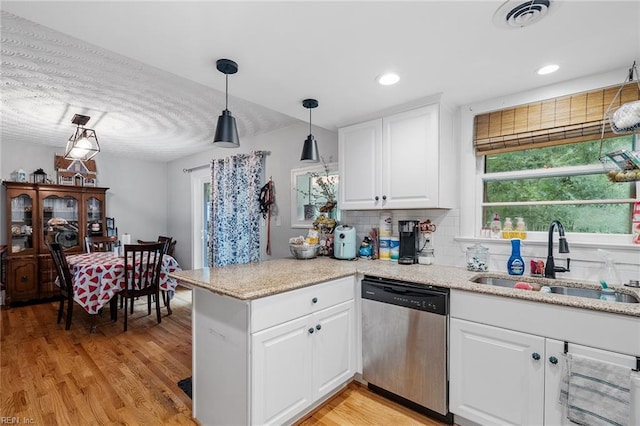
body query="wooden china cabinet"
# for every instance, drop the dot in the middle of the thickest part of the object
(37, 214)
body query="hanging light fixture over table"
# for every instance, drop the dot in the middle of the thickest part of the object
(83, 144)
(226, 130)
(310, 148)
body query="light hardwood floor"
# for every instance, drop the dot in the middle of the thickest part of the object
(58, 377)
(50, 376)
(357, 406)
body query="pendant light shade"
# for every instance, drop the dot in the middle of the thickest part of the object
(310, 147)
(83, 144)
(226, 130)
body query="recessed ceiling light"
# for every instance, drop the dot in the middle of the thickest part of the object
(548, 69)
(388, 79)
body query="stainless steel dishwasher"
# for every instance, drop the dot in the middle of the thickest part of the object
(404, 343)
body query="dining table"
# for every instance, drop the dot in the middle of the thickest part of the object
(98, 277)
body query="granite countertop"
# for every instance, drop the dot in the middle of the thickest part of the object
(256, 280)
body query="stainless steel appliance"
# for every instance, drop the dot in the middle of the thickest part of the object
(344, 242)
(409, 241)
(404, 344)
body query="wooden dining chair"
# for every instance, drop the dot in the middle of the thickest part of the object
(100, 243)
(64, 281)
(171, 243)
(142, 266)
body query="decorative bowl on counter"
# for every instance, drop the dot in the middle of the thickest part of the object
(301, 251)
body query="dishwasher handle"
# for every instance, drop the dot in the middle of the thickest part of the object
(396, 290)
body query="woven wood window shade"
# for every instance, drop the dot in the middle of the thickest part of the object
(568, 119)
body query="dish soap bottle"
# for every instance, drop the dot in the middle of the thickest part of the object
(515, 264)
(521, 228)
(496, 226)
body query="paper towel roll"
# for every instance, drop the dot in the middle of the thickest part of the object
(126, 239)
(386, 225)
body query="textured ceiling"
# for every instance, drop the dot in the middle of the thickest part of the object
(136, 109)
(145, 70)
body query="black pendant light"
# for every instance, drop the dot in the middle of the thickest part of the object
(310, 148)
(226, 130)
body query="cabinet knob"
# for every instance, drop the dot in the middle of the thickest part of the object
(376, 198)
(553, 360)
(314, 300)
(24, 279)
(384, 197)
(535, 356)
(310, 330)
(318, 327)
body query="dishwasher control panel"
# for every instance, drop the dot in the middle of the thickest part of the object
(423, 298)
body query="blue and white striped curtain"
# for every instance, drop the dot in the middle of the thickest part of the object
(234, 228)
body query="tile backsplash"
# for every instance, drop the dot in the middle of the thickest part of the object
(447, 250)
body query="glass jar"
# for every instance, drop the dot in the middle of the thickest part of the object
(477, 258)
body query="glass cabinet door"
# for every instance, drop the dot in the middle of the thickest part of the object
(60, 220)
(21, 223)
(94, 211)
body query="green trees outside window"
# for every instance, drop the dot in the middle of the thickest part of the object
(564, 182)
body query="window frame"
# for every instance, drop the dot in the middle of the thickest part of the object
(305, 172)
(471, 167)
(581, 237)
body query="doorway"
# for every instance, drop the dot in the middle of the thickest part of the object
(201, 196)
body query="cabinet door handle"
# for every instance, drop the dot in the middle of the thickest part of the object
(318, 327)
(553, 360)
(384, 197)
(310, 330)
(314, 300)
(535, 356)
(376, 198)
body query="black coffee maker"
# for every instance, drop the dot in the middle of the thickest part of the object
(409, 241)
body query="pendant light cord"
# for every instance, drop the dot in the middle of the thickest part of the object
(226, 91)
(309, 121)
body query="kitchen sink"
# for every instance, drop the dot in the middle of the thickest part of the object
(500, 282)
(589, 293)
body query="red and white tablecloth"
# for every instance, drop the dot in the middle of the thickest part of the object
(97, 277)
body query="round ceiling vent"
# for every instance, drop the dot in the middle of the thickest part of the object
(519, 13)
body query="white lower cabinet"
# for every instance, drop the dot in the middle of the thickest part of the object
(297, 363)
(505, 377)
(281, 365)
(495, 377)
(271, 360)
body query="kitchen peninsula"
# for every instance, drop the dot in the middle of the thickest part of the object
(273, 340)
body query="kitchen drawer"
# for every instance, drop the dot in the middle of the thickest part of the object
(272, 310)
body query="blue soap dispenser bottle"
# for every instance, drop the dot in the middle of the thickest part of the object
(515, 264)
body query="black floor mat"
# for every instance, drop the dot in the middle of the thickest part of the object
(185, 385)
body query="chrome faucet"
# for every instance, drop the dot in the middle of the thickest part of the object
(550, 268)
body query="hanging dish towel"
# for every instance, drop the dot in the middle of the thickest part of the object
(634, 415)
(596, 392)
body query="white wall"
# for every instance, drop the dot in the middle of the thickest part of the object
(285, 147)
(137, 196)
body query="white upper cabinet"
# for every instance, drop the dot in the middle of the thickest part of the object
(402, 161)
(360, 162)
